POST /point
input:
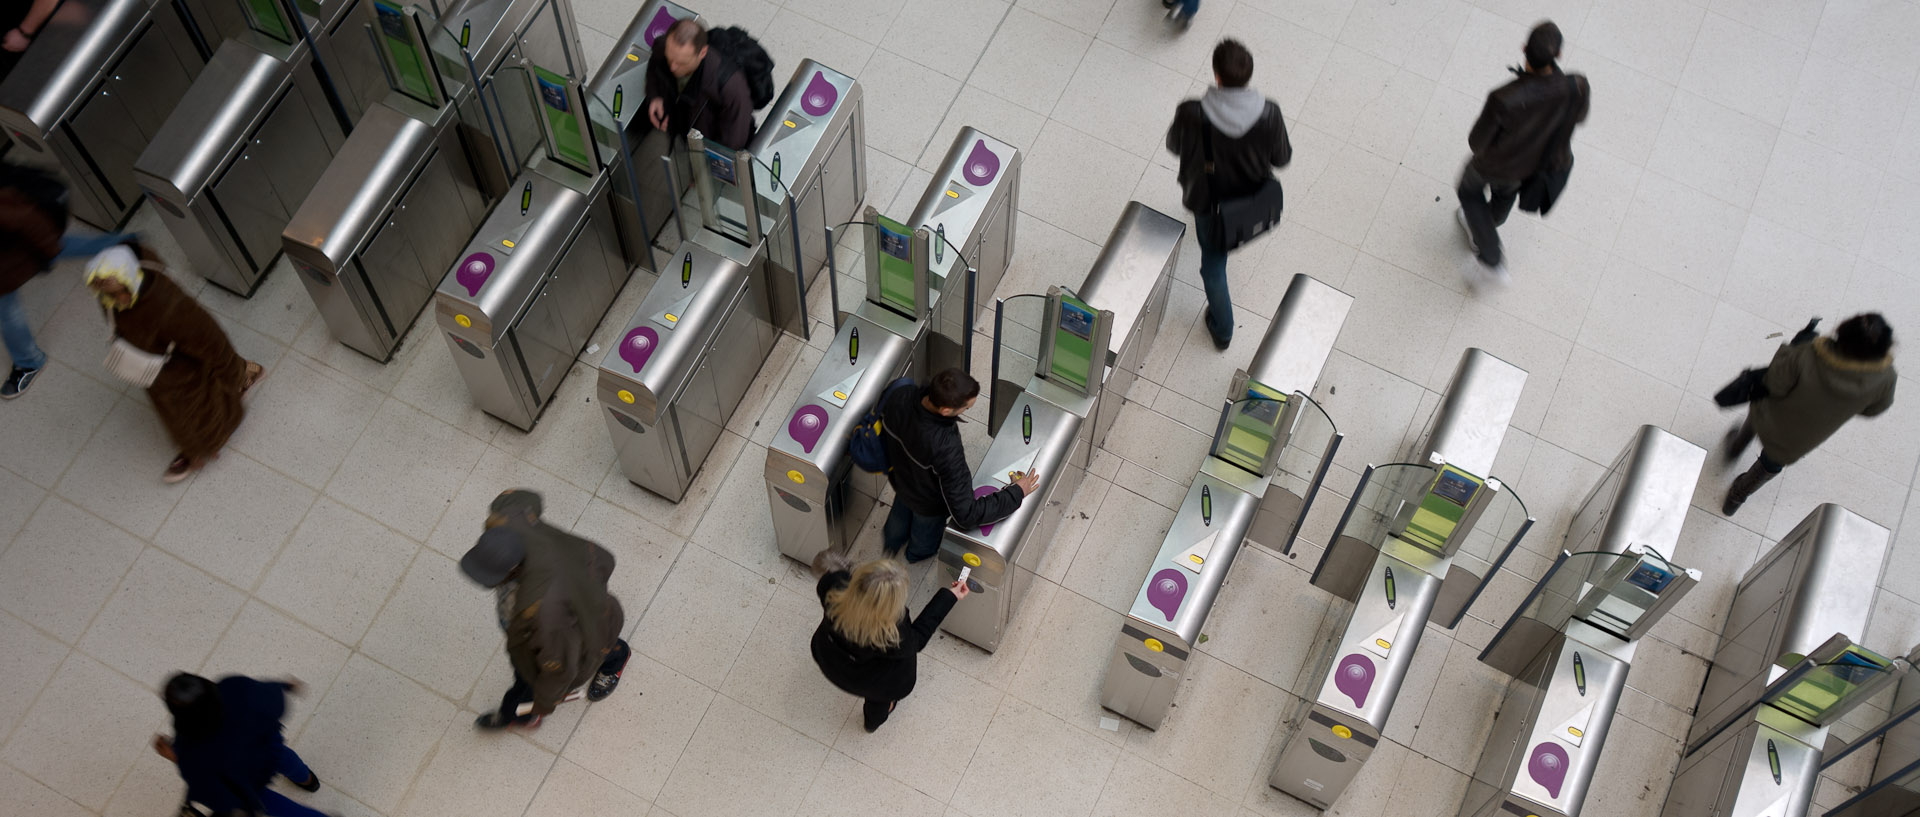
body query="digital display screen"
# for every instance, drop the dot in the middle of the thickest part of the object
(1650, 577)
(266, 17)
(1455, 488)
(896, 265)
(1076, 320)
(569, 145)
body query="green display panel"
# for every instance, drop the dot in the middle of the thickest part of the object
(565, 140)
(896, 265)
(1442, 508)
(1073, 342)
(267, 17)
(1830, 684)
(1253, 423)
(403, 47)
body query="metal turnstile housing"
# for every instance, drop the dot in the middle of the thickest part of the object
(817, 132)
(93, 91)
(529, 289)
(973, 203)
(238, 156)
(682, 366)
(382, 227)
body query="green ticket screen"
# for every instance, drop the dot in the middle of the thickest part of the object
(266, 17)
(568, 143)
(1252, 424)
(1830, 684)
(896, 265)
(1073, 342)
(410, 68)
(1442, 508)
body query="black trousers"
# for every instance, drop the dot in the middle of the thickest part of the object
(1484, 214)
(522, 692)
(876, 711)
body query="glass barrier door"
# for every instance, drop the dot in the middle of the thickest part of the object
(1018, 329)
(1301, 466)
(400, 37)
(1382, 503)
(1619, 593)
(1501, 523)
(610, 140)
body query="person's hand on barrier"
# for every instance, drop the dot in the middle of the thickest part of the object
(1028, 482)
(657, 113)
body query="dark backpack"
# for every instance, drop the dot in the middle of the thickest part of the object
(864, 446)
(739, 51)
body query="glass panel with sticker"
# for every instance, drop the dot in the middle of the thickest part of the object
(1071, 347)
(1625, 590)
(1250, 427)
(269, 17)
(1835, 683)
(1440, 512)
(400, 33)
(562, 122)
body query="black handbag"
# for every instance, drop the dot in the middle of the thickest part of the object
(1745, 388)
(1242, 219)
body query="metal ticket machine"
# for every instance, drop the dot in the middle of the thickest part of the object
(1788, 666)
(1392, 562)
(490, 48)
(1269, 427)
(398, 204)
(621, 84)
(1570, 644)
(93, 91)
(1894, 787)
(528, 290)
(819, 500)
(1050, 425)
(247, 143)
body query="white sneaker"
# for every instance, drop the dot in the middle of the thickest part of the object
(1460, 215)
(1482, 277)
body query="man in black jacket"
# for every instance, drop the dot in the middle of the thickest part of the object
(1247, 139)
(689, 86)
(929, 473)
(1525, 127)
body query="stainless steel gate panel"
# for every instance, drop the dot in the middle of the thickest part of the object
(970, 207)
(620, 83)
(91, 93)
(1134, 273)
(813, 127)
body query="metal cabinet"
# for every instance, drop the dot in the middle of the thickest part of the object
(129, 107)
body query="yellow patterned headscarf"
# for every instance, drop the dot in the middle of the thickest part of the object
(120, 264)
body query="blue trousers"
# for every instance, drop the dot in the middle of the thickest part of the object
(1188, 8)
(15, 332)
(920, 535)
(290, 766)
(1213, 278)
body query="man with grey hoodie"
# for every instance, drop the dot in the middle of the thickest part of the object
(1229, 141)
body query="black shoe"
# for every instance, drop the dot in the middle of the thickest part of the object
(18, 381)
(312, 784)
(493, 722)
(604, 683)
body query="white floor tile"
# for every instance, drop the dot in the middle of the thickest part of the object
(477, 774)
(337, 571)
(1713, 149)
(1599, 404)
(570, 791)
(945, 717)
(1817, 191)
(945, 36)
(84, 731)
(438, 629)
(1031, 763)
(918, 96)
(1648, 321)
(234, 518)
(32, 657)
(1417, 35)
(1785, 276)
(62, 567)
(375, 731)
(702, 614)
(741, 762)
(1218, 712)
(262, 643)
(775, 673)
(1030, 62)
(1744, 68)
(635, 737)
(1122, 99)
(302, 422)
(1872, 36)
(1068, 171)
(117, 475)
(847, 786)
(165, 616)
(1654, 37)
(53, 422)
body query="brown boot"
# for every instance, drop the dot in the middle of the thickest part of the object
(1744, 486)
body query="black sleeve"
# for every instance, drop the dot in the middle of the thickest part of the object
(736, 112)
(915, 637)
(1486, 128)
(1282, 149)
(659, 77)
(956, 482)
(1582, 97)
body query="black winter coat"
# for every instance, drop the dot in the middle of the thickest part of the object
(723, 113)
(1521, 128)
(928, 465)
(1241, 164)
(885, 675)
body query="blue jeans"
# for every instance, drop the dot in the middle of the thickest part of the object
(18, 334)
(78, 246)
(920, 535)
(1188, 8)
(1213, 277)
(290, 766)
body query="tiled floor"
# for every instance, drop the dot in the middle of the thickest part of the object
(1748, 163)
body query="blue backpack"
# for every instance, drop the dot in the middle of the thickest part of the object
(864, 445)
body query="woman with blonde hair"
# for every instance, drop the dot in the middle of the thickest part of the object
(165, 342)
(866, 642)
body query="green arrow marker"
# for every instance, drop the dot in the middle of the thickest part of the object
(940, 247)
(1773, 761)
(1579, 674)
(776, 165)
(526, 198)
(686, 271)
(616, 102)
(466, 30)
(1206, 505)
(1026, 425)
(853, 346)
(1392, 597)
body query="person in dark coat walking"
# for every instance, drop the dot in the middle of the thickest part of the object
(866, 642)
(33, 214)
(1248, 139)
(928, 467)
(1812, 389)
(228, 745)
(689, 86)
(562, 626)
(1525, 126)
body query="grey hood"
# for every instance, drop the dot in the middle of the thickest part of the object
(1233, 111)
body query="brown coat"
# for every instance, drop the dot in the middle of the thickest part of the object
(1812, 391)
(197, 394)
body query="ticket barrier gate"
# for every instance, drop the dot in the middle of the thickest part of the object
(93, 91)
(1398, 543)
(1268, 427)
(920, 290)
(1570, 644)
(485, 49)
(1788, 666)
(972, 207)
(532, 285)
(621, 84)
(400, 201)
(1067, 339)
(1894, 790)
(247, 142)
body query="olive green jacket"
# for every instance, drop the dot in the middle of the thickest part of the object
(562, 622)
(1812, 391)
